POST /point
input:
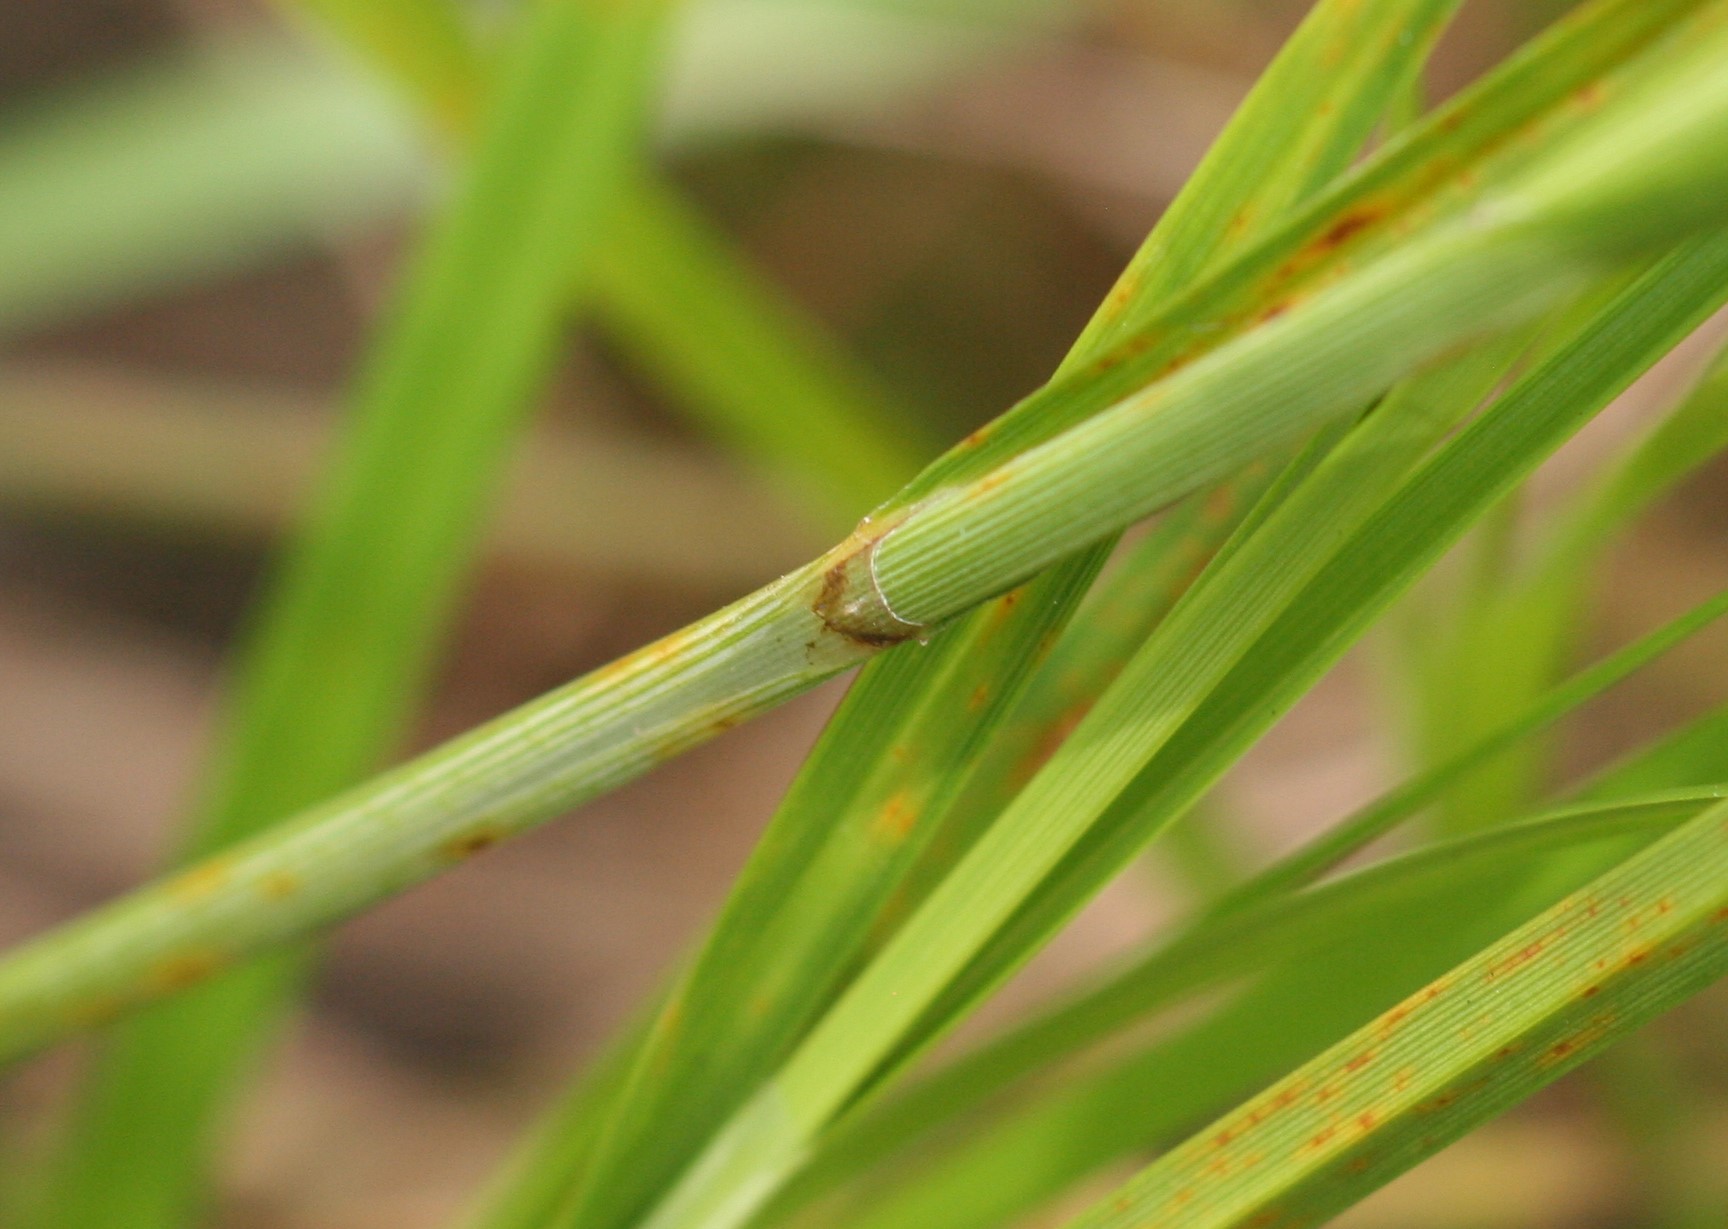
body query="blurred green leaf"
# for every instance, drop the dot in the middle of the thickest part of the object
(344, 647)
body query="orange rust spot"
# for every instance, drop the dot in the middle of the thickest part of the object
(1392, 1020)
(201, 880)
(1358, 1165)
(897, 817)
(979, 698)
(1590, 992)
(1595, 1031)
(1219, 505)
(1367, 1120)
(1404, 1077)
(183, 970)
(1589, 95)
(1517, 959)
(278, 885)
(976, 438)
(1322, 1137)
(1637, 957)
(466, 845)
(614, 668)
(1346, 228)
(1053, 738)
(1122, 293)
(1272, 313)
(667, 647)
(1360, 1061)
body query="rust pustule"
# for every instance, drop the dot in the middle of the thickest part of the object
(1345, 229)
(200, 880)
(898, 816)
(186, 969)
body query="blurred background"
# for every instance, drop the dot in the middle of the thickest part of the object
(201, 208)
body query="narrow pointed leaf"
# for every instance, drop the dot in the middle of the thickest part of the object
(1643, 937)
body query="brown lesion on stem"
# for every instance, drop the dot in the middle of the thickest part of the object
(849, 602)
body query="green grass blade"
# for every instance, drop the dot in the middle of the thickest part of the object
(1314, 975)
(1401, 804)
(909, 733)
(826, 902)
(1633, 943)
(1306, 118)
(615, 723)
(344, 646)
(1489, 646)
(770, 1136)
(1410, 532)
(1487, 135)
(889, 996)
(900, 1121)
(808, 905)
(1687, 437)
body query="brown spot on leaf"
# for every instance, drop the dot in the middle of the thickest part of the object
(185, 969)
(465, 845)
(897, 817)
(1346, 228)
